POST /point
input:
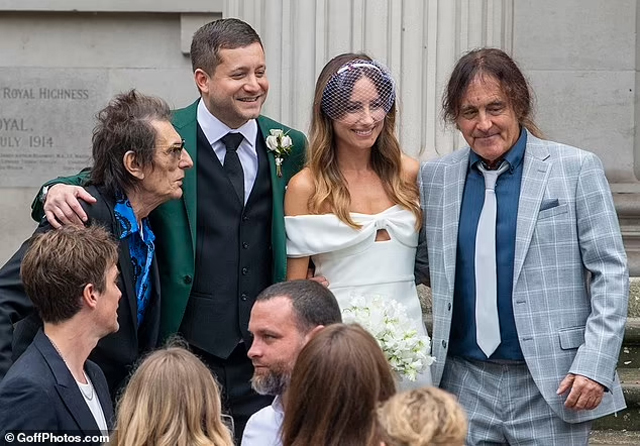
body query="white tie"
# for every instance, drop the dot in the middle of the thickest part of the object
(487, 323)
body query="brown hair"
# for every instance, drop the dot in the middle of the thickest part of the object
(123, 125)
(423, 417)
(217, 35)
(339, 378)
(331, 190)
(497, 64)
(172, 399)
(59, 264)
(312, 303)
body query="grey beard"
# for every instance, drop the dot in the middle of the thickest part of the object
(274, 383)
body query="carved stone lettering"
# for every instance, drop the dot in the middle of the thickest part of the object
(46, 121)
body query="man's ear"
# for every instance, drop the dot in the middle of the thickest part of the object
(89, 296)
(201, 78)
(312, 333)
(132, 165)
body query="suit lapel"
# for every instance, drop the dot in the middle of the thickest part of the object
(127, 280)
(278, 183)
(66, 385)
(535, 174)
(186, 121)
(454, 180)
(99, 384)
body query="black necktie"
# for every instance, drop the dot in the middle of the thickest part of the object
(232, 163)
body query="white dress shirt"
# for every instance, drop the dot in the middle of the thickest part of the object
(263, 428)
(214, 130)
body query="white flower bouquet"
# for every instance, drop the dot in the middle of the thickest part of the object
(405, 349)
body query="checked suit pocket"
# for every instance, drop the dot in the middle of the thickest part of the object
(558, 210)
(571, 337)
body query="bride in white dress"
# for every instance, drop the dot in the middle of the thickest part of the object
(354, 209)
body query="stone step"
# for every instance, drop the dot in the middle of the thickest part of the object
(614, 438)
(628, 419)
(630, 353)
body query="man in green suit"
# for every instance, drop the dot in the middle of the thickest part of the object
(224, 241)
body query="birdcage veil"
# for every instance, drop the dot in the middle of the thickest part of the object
(359, 89)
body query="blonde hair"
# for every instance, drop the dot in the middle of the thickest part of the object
(423, 417)
(331, 190)
(171, 400)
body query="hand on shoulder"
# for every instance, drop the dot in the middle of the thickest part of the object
(299, 190)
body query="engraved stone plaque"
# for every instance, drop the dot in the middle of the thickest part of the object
(46, 121)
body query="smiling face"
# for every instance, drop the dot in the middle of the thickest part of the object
(363, 119)
(487, 120)
(162, 179)
(277, 342)
(238, 87)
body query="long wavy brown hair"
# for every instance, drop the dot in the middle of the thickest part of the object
(331, 191)
(338, 380)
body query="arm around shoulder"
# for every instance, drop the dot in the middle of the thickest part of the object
(37, 205)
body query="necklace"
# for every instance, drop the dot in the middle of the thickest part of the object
(88, 396)
(91, 394)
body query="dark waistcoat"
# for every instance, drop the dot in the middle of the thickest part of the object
(233, 253)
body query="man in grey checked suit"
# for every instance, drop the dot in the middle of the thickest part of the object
(558, 278)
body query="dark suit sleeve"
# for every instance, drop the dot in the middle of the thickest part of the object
(422, 254)
(25, 405)
(422, 260)
(15, 305)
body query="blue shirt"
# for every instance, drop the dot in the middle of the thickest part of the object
(463, 324)
(141, 250)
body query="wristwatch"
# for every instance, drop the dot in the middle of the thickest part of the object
(43, 195)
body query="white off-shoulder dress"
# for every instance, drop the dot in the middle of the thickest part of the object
(355, 263)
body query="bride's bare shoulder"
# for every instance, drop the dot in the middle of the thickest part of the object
(301, 183)
(299, 190)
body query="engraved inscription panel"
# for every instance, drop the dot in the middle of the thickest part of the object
(46, 122)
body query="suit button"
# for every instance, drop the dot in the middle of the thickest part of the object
(244, 297)
(187, 279)
(444, 344)
(449, 306)
(245, 245)
(245, 218)
(245, 271)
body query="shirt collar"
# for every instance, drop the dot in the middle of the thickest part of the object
(277, 405)
(514, 156)
(214, 129)
(125, 216)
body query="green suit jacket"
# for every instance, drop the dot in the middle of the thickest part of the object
(174, 223)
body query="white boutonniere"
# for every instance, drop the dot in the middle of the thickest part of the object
(280, 144)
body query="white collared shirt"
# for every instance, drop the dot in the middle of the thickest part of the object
(264, 426)
(214, 130)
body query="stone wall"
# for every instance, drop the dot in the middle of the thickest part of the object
(60, 62)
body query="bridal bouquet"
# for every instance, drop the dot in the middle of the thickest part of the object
(387, 321)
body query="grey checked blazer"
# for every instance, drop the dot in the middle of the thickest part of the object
(570, 278)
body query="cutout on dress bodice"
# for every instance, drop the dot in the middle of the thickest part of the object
(382, 235)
